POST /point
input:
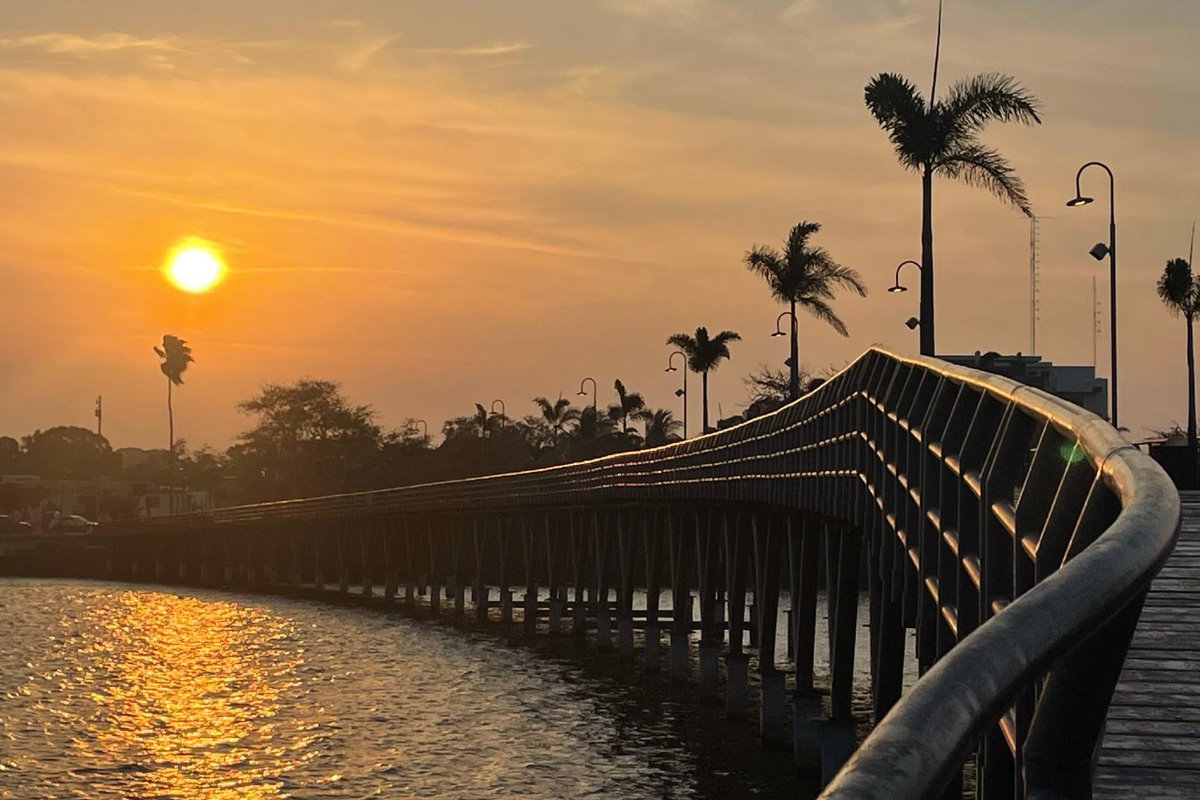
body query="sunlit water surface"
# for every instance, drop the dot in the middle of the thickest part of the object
(111, 691)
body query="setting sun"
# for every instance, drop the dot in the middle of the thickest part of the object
(195, 266)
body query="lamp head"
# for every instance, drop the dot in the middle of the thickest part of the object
(912, 323)
(1079, 200)
(778, 333)
(897, 289)
(1099, 251)
(671, 369)
(582, 393)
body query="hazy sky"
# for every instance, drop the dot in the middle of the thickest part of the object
(444, 203)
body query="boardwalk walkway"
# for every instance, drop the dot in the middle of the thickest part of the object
(1152, 745)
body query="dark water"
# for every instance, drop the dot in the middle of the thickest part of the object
(108, 691)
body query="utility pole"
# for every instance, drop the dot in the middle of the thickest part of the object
(99, 465)
(1033, 284)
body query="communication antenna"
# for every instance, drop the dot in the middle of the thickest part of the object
(1033, 284)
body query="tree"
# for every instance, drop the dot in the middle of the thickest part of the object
(704, 355)
(806, 276)
(941, 137)
(556, 415)
(307, 438)
(175, 355)
(67, 452)
(1180, 292)
(661, 426)
(628, 404)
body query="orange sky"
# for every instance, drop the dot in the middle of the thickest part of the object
(445, 203)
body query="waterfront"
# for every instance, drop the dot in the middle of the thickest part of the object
(111, 690)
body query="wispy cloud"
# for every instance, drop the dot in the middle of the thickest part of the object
(495, 49)
(358, 58)
(74, 44)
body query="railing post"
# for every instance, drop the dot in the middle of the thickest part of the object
(650, 548)
(1060, 750)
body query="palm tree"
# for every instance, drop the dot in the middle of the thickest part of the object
(629, 403)
(175, 355)
(556, 415)
(661, 426)
(942, 138)
(704, 355)
(806, 276)
(1180, 292)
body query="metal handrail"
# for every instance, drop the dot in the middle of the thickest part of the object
(848, 450)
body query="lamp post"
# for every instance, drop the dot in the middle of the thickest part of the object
(1099, 252)
(582, 393)
(418, 423)
(794, 361)
(681, 392)
(898, 287)
(503, 413)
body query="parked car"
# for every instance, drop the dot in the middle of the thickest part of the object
(73, 523)
(11, 526)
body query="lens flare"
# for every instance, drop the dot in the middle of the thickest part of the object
(194, 265)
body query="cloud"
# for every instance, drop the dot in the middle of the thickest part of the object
(357, 59)
(75, 44)
(496, 49)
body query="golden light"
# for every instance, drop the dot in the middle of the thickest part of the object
(194, 265)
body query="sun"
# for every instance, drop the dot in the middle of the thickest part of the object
(194, 265)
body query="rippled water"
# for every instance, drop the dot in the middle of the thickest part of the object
(113, 691)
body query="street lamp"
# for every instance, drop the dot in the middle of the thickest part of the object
(503, 413)
(680, 392)
(898, 288)
(420, 422)
(582, 393)
(1099, 252)
(794, 361)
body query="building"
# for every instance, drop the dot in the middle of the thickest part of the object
(1075, 384)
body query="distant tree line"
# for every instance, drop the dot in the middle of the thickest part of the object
(308, 438)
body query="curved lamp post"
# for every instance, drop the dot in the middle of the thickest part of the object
(582, 393)
(680, 392)
(1099, 252)
(420, 422)
(503, 413)
(794, 361)
(898, 287)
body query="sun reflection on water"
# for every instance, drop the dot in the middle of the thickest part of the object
(185, 696)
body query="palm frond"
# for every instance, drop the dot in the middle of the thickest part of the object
(989, 97)
(901, 111)
(1178, 289)
(985, 168)
(823, 311)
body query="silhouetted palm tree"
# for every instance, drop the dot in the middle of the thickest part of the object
(557, 415)
(629, 404)
(175, 355)
(1180, 292)
(806, 276)
(661, 426)
(942, 137)
(704, 355)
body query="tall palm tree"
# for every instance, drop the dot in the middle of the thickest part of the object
(629, 404)
(1180, 292)
(704, 354)
(807, 276)
(175, 355)
(941, 137)
(557, 415)
(661, 426)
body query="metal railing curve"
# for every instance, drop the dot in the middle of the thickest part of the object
(1014, 532)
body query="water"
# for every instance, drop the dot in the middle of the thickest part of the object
(110, 691)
